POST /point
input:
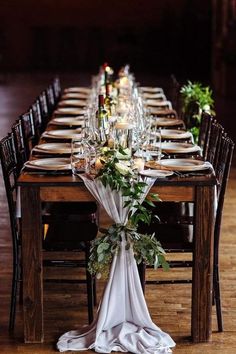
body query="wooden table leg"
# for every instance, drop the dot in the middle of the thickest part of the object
(32, 265)
(202, 264)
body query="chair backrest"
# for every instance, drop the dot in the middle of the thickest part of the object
(204, 133)
(29, 135)
(222, 171)
(37, 117)
(216, 133)
(10, 174)
(20, 148)
(56, 85)
(50, 99)
(44, 108)
(174, 94)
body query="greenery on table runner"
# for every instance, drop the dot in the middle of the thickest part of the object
(196, 99)
(146, 248)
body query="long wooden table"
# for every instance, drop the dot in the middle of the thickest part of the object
(36, 188)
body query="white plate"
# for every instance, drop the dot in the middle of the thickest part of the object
(179, 148)
(62, 134)
(155, 95)
(156, 173)
(151, 89)
(167, 122)
(53, 148)
(49, 164)
(67, 110)
(72, 103)
(174, 134)
(157, 103)
(70, 121)
(74, 95)
(180, 165)
(78, 89)
(158, 111)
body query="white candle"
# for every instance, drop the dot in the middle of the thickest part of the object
(123, 125)
(139, 164)
(98, 164)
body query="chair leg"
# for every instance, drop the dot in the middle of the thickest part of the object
(216, 285)
(142, 272)
(90, 288)
(13, 297)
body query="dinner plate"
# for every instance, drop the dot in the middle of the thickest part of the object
(72, 103)
(180, 165)
(156, 173)
(74, 95)
(167, 122)
(159, 111)
(70, 121)
(62, 134)
(151, 89)
(49, 164)
(77, 89)
(179, 148)
(155, 95)
(157, 103)
(70, 110)
(53, 148)
(174, 134)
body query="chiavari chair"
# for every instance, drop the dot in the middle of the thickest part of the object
(56, 86)
(204, 133)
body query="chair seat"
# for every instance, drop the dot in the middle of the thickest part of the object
(173, 238)
(73, 208)
(68, 235)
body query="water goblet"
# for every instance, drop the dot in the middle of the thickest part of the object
(79, 157)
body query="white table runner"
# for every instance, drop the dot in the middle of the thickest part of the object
(123, 322)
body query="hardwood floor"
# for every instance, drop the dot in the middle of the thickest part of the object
(65, 305)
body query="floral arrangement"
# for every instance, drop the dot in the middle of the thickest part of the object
(121, 177)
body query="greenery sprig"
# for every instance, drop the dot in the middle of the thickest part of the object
(146, 248)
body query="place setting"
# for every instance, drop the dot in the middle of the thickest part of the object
(72, 103)
(173, 134)
(62, 134)
(167, 122)
(68, 121)
(77, 89)
(74, 95)
(69, 111)
(184, 167)
(48, 166)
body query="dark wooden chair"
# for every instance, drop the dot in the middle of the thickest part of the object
(204, 133)
(214, 145)
(222, 171)
(50, 99)
(30, 137)
(174, 94)
(70, 235)
(35, 111)
(21, 151)
(44, 109)
(177, 235)
(56, 86)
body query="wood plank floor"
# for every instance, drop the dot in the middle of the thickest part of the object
(65, 306)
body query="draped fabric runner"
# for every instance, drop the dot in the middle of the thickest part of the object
(123, 322)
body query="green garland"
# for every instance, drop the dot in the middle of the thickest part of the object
(145, 247)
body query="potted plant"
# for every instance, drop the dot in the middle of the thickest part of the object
(196, 98)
